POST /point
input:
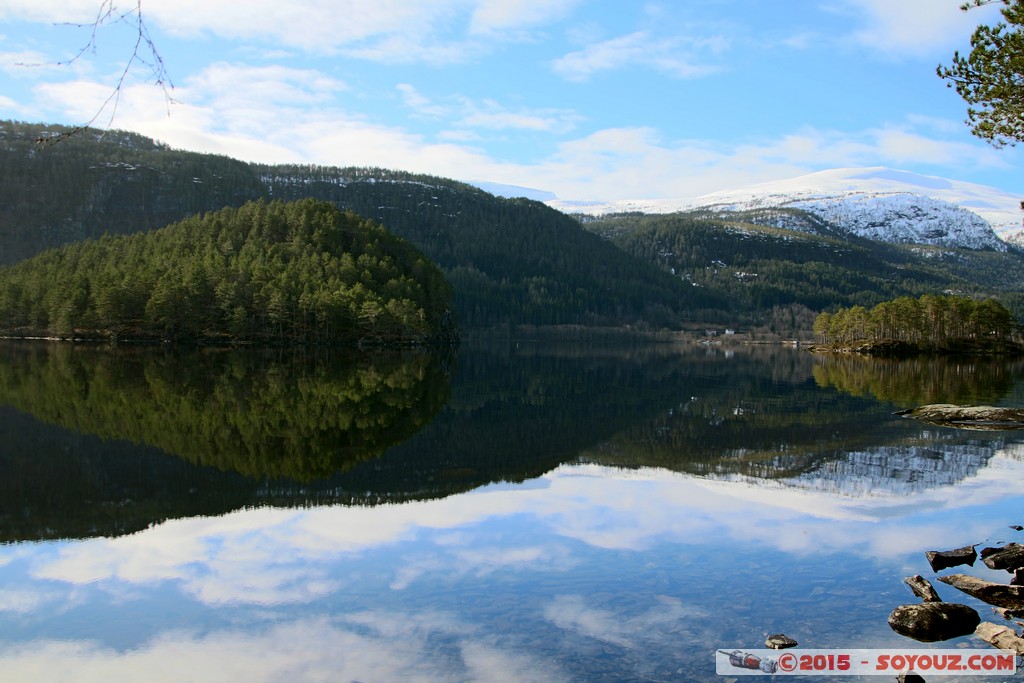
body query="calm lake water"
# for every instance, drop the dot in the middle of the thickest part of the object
(525, 513)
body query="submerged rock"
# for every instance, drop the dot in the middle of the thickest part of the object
(968, 417)
(941, 559)
(932, 621)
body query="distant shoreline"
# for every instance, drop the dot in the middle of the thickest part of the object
(900, 349)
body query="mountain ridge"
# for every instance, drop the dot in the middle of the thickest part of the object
(980, 216)
(510, 261)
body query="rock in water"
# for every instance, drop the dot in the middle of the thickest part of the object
(779, 641)
(922, 588)
(1008, 614)
(1003, 637)
(932, 621)
(909, 678)
(942, 559)
(998, 594)
(1009, 557)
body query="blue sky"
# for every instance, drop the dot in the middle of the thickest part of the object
(600, 99)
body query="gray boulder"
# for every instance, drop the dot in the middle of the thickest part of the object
(922, 588)
(942, 559)
(932, 621)
(1009, 557)
(998, 594)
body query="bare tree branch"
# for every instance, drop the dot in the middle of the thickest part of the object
(144, 55)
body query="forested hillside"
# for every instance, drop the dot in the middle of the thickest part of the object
(302, 272)
(94, 183)
(509, 261)
(759, 267)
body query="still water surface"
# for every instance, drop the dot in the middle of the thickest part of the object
(536, 513)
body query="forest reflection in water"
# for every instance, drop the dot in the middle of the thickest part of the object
(559, 512)
(104, 440)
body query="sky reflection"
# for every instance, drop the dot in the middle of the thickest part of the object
(500, 583)
(271, 556)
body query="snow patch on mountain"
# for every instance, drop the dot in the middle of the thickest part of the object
(906, 218)
(879, 203)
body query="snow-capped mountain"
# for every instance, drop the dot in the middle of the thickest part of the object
(878, 203)
(905, 218)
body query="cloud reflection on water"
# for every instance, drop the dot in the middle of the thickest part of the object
(272, 556)
(373, 647)
(258, 562)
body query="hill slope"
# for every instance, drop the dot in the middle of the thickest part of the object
(757, 266)
(519, 262)
(509, 261)
(298, 273)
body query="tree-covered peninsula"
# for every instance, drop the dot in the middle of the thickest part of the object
(266, 272)
(931, 323)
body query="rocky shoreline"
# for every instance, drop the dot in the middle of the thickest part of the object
(933, 620)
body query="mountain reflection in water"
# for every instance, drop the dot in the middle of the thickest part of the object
(107, 441)
(534, 513)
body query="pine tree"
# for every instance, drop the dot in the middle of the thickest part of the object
(991, 78)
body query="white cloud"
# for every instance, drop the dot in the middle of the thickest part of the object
(232, 84)
(308, 25)
(10, 105)
(51, 11)
(680, 57)
(277, 114)
(420, 104)
(490, 16)
(915, 27)
(463, 112)
(394, 31)
(32, 65)
(492, 115)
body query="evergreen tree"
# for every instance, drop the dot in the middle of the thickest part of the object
(931, 321)
(991, 78)
(266, 272)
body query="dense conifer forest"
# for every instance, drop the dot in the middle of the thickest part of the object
(300, 272)
(953, 323)
(511, 263)
(759, 267)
